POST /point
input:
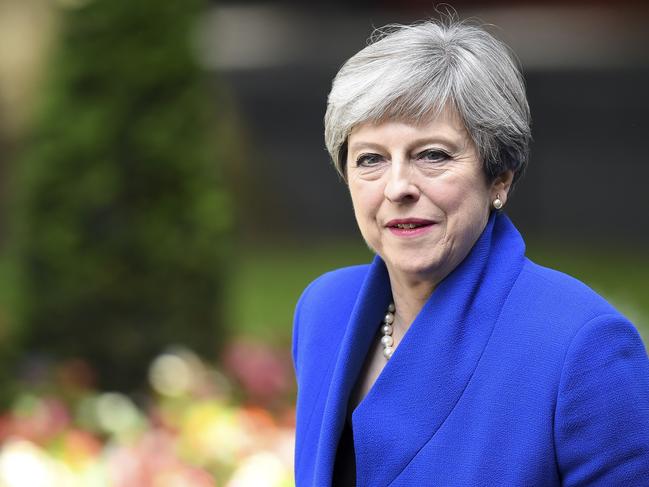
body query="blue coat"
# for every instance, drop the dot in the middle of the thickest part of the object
(511, 375)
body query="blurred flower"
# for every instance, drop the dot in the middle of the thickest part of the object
(23, 464)
(187, 477)
(262, 372)
(152, 461)
(35, 419)
(263, 469)
(179, 372)
(176, 372)
(192, 434)
(79, 449)
(117, 414)
(210, 433)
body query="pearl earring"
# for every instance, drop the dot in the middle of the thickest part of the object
(498, 204)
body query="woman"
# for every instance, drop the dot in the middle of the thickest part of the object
(453, 360)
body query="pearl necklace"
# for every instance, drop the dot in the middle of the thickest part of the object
(386, 328)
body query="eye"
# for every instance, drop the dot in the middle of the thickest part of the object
(368, 160)
(433, 155)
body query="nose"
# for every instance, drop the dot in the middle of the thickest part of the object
(401, 187)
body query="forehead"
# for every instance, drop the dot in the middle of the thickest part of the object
(444, 125)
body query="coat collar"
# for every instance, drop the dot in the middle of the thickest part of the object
(373, 298)
(436, 358)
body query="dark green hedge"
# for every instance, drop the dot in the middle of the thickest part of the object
(119, 214)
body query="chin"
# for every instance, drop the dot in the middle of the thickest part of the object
(421, 269)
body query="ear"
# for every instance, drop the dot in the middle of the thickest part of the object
(501, 185)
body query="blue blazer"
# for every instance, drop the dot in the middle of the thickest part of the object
(511, 375)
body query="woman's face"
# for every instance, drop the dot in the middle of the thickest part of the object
(420, 196)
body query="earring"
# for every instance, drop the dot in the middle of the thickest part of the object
(498, 204)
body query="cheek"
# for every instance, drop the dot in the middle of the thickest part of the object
(364, 199)
(454, 198)
(466, 205)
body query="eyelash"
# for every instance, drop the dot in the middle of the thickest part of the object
(433, 155)
(367, 160)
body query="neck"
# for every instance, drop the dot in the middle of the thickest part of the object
(409, 297)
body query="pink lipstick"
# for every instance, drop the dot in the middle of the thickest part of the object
(409, 227)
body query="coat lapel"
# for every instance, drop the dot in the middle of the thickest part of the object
(433, 364)
(366, 316)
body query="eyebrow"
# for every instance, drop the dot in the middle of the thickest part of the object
(417, 142)
(362, 145)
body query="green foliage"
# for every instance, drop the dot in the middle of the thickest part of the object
(118, 209)
(262, 294)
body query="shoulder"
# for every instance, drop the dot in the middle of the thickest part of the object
(601, 426)
(575, 319)
(601, 422)
(559, 315)
(334, 288)
(325, 305)
(560, 295)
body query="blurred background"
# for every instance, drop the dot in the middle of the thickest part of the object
(165, 196)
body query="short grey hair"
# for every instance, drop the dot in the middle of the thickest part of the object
(411, 72)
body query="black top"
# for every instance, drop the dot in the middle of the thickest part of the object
(345, 466)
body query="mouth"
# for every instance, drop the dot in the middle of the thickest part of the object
(409, 226)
